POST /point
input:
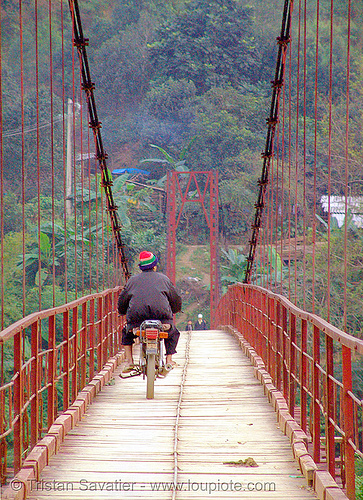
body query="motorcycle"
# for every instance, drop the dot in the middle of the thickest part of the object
(152, 360)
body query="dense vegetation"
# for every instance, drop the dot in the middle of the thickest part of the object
(188, 74)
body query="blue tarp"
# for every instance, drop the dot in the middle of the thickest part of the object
(120, 171)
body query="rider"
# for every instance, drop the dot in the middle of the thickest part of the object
(149, 295)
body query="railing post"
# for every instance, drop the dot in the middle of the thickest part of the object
(256, 314)
(292, 367)
(234, 311)
(116, 323)
(249, 330)
(106, 312)
(34, 374)
(279, 355)
(92, 339)
(18, 399)
(285, 372)
(268, 331)
(75, 352)
(273, 339)
(242, 311)
(112, 325)
(347, 423)
(66, 360)
(259, 336)
(83, 341)
(242, 308)
(51, 371)
(303, 374)
(264, 327)
(247, 296)
(3, 418)
(316, 394)
(330, 404)
(250, 327)
(100, 334)
(254, 341)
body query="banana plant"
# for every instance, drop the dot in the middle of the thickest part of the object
(31, 260)
(274, 262)
(128, 196)
(235, 269)
(168, 159)
(177, 164)
(273, 270)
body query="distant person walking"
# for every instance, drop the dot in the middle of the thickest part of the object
(189, 326)
(200, 323)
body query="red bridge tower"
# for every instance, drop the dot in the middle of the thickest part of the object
(179, 186)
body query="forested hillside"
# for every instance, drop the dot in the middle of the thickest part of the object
(193, 78)
(167, 72)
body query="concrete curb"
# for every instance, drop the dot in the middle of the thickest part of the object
(49, 445)
(323, 483)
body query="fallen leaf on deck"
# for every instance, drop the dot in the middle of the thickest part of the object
(248, 462)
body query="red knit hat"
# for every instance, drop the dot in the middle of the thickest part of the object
(147, 260)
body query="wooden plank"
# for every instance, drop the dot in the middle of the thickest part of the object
(123, 447)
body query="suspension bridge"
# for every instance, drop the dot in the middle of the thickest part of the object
(265, 404)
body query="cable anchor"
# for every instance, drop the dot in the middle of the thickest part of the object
(271, 122)
(283, 41)
(81, 42)
(277, 84)
(88, 87)
(95, 125)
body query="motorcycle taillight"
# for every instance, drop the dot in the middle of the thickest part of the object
(152, 333)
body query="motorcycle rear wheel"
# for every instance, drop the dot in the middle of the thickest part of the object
(150, 376)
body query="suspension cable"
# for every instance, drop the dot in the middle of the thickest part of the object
(64, 162)
(38, 154)
(315, 149)
(2, 231)
(23, 176)
(347, 169)
(297, 135)
(330, 139)
(88, 86)
(277, 84)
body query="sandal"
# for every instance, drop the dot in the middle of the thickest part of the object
(128, 368)
(170, 366)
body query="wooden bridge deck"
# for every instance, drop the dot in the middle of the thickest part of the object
(129, 447)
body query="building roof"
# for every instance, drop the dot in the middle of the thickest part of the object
(337, 208)
(120, 171)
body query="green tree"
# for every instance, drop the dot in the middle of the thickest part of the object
(169, 112)
(123, 84)
(230, 128)
(171, 100)
(209, 43)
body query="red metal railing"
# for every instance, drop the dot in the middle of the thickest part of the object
(55, 353)
(310, 362)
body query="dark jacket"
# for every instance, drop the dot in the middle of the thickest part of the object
(200, 326)
(148, 295)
